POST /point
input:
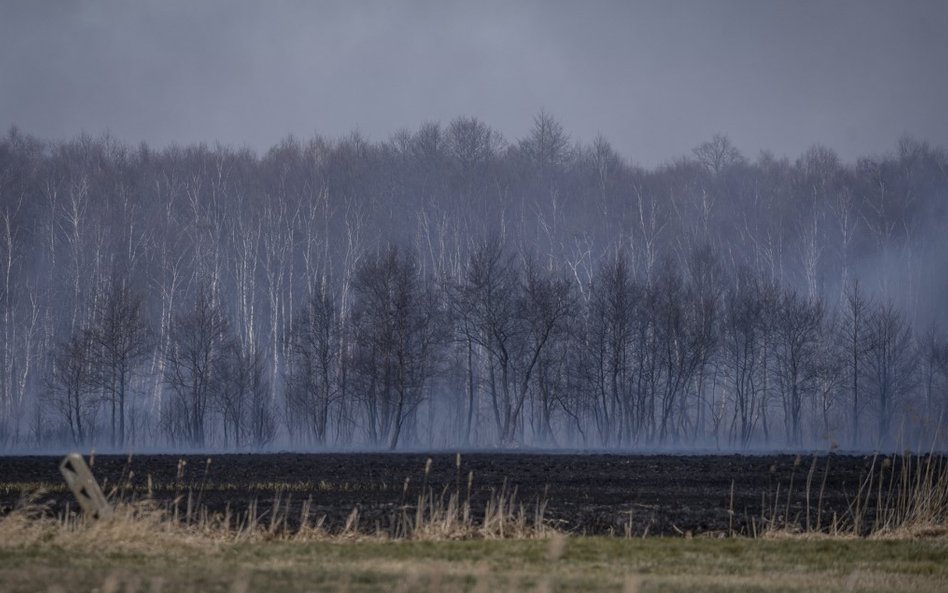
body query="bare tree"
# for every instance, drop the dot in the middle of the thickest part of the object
(396, 331)
(242, 396)
(891, 364)
(72, 385)
(798, 330)
(547, 302)
(611, 310)
(547, 146)
(314, 365)
(489, 290)
(717, 154)
(704, 272)
(461, 316)
(933, 356)
(857, 344)
(195, 361)
(681, 339)
(121, 343)
(743, 350)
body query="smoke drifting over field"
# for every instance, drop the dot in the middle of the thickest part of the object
(494, 279)
(452, 288)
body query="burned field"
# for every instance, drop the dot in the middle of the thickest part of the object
(624, 495)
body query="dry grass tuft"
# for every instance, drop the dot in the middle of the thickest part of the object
(910, 502)
(449, 516)
(900, 497)
(133, 527)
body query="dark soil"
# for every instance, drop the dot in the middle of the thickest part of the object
(584, 493)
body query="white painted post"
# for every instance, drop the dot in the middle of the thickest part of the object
(80, 480)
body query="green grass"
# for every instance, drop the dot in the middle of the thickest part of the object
(579, 564)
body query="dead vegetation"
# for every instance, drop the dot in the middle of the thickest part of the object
(139, 523)
(900, 496)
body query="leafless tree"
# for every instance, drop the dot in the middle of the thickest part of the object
(891, 365)
(743, 350)
(490, 287)
(195, 362)
(547, 302)
(121, 342)
(611, 309)
(314, 367)
(798, 355)
(241, 395)
(717, 154)
(547, 145)
(72, 385)
(857, 345)
(705, 279)
(396, 330)
(681, 339)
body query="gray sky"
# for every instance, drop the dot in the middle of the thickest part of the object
(654, 78)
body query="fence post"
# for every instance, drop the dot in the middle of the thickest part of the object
(80, 480)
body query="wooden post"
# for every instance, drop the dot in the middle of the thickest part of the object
(80, 480)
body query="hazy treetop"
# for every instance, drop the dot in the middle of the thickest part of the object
(655, 78)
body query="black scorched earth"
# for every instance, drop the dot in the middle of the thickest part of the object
(631, 495)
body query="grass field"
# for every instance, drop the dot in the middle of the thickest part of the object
(558, 564)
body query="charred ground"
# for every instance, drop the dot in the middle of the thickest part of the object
(583, 493)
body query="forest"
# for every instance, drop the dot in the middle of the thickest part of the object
(448, 287)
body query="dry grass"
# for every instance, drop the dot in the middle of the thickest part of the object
(139, 527)
(447, 516)
(139, 524)
(902, 496)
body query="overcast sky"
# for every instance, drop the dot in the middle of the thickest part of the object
(654, 78)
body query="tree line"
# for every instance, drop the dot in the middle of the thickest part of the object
(448, 287)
